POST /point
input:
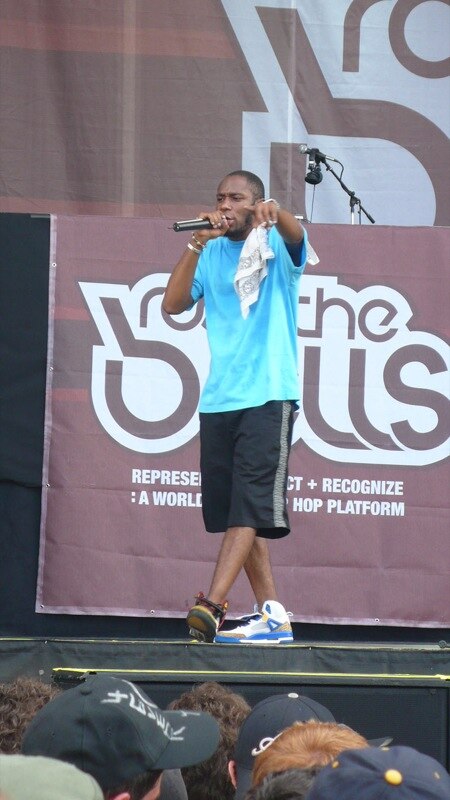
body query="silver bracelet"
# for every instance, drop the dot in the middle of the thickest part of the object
(271, 200)
(194, 249)
(196, 241)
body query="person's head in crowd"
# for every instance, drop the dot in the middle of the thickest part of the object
(109, 728)
(305, 745)
(210, 780)
(387, 773)
(20, 699)
(292, 784)
(40, 778)
(266, 720)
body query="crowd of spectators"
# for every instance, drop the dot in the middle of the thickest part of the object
(105, 739)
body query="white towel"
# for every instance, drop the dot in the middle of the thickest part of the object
(252, 267)
(311, 255)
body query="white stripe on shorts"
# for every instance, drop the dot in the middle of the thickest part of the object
(279, 500)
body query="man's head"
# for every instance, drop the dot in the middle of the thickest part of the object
(145, 786)
(20, 700)
(396, 773)
(109, 728)
(236, 194)
(39, 778)
(210, 779)
(305, 745)
(266, 720)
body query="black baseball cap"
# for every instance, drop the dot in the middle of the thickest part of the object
(387, 773)
(266, 720)
(109, 728)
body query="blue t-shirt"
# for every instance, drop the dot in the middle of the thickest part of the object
(253, 360)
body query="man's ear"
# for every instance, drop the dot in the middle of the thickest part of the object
(121, 796)
(232, 772)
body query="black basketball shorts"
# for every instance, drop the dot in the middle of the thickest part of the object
(244, 464)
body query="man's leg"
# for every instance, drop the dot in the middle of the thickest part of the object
(257, 447)
(242, 548)
(259, 494)
(259, 572)
(216, 466)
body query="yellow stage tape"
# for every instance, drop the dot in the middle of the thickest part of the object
(178, 672)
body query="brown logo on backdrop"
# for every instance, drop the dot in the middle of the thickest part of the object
(357, 342)
(144, 349)
(325, 115)
(375, 389)
(145, 384)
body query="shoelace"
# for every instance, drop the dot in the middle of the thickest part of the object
(256, 615)
(248, 617)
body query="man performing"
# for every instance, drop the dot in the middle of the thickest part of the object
(247, 268)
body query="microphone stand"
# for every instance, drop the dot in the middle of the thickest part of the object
(354, 201)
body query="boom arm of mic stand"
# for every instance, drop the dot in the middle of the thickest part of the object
(353, 199)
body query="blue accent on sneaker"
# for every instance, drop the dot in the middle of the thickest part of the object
(272, 637)
(260, 628)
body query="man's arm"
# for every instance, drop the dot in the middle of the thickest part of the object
(177, 297)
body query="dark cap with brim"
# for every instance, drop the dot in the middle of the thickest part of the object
(109, 728)
(266, 720)
(396, 773)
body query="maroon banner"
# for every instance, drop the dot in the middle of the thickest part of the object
(138, 108)
(122, 530)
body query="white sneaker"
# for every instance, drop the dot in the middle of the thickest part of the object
(270, 626)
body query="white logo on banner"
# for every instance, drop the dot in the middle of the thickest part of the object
(148, 373)
(374, 389)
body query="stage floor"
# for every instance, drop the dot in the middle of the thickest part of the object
(185, 658)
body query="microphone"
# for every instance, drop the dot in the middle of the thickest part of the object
(191, 224)
(314, 174)
(315, 153)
